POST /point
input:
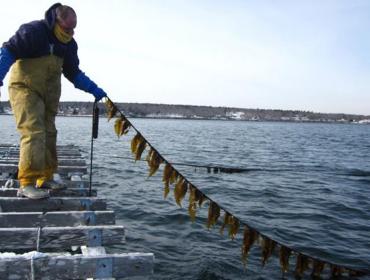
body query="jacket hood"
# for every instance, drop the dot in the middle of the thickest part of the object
(50, 15)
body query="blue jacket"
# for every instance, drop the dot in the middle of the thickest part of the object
(36, 39)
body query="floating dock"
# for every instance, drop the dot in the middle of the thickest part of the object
(64, 236)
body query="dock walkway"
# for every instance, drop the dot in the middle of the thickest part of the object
(64, 236)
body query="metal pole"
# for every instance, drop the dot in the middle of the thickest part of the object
(94, 135)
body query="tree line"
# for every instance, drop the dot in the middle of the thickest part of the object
(148, 110)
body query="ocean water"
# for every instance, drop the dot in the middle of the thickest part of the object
(307, 185)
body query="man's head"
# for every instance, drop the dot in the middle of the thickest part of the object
(66, 18)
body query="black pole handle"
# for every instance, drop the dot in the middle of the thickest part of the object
(94, 135)
(95, 127)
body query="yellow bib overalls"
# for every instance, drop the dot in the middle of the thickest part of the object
(34, 92)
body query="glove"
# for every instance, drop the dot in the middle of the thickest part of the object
(98, 93)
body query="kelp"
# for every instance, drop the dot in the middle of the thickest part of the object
(249, 237)
(268, 247)
(174, 176)
(181, 188)
(213, 214)
(336, 271)
(201, 199)
(284, 258)
(192, 209)
(111, 109)
(167, 173)
(302, 265)
(140, 149)
(318, 267)
(234, 227)
(197, 198)
(121, 126)
(154, 161)
(227, 221)
(135, 142)
(233, 224)
(166, 179)
(125, 127)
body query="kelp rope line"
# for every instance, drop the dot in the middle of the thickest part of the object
(173, 177)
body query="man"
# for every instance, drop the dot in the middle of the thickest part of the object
(40, 51)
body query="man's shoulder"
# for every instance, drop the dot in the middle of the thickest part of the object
(34, 26)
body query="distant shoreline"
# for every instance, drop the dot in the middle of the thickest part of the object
(190, 112)
(213, 119)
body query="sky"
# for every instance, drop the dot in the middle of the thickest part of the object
(311, 55)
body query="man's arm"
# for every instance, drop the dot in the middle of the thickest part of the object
(84, 83)
(78, 78)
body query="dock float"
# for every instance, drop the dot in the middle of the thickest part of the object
(66, 236)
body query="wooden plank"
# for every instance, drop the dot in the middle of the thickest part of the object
(59, 152)
(62, 162)
(69, 169)
(8, 145)
(60, 237)
(49, 266)
(70, 184)
(70, 192)
(74, 192)
(11, 168)
(18, 204)
(14, 152)
(53, 219)
(59, 146)
(61, 159)
(8, 168)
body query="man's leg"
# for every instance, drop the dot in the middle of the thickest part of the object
(51, 160)
(29, 113)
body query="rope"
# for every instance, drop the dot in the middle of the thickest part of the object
(215, 168)
(287, 251)
(33, 255)
(32, 268)
(38, 239)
